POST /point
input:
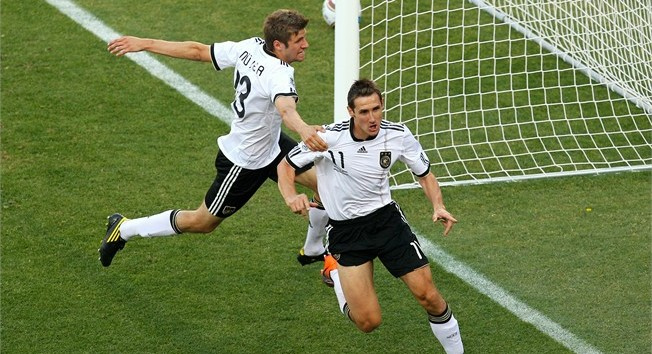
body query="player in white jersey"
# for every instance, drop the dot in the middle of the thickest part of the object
(265, 97)
(365, 223)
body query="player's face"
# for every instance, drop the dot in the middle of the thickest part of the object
(367, 114)
(296, 48)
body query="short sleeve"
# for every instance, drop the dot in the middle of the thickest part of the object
(413, 155)
(282, 84)
(224, 55)
(300, 156)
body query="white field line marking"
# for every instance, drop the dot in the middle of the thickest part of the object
(145, 60)
(438, 255)
(504, 299)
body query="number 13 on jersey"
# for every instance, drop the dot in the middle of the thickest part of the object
(242, 86)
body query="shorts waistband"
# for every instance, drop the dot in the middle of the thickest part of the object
(366, 218)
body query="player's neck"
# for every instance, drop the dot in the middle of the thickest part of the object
(276, 54)
(359, 134)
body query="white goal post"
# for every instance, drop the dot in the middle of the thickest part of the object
(504, 90)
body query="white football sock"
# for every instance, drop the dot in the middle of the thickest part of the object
(448, 334)
(314, 244)
(150, 226)
(338, 289)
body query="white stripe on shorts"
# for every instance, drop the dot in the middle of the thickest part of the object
(224, 189)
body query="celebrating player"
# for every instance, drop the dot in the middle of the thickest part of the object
(364, 221)
(265, 96)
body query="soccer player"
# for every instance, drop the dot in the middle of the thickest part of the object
(265, 97)
(365, 223)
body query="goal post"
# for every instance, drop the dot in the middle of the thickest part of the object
(347, 60)
(504, 90)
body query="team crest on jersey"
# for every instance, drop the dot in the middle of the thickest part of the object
(385, 159)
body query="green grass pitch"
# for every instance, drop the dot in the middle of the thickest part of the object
(85, 134)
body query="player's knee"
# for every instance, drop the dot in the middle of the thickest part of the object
(368, 327)
(432, 301)
(368, 324)
(428, 297)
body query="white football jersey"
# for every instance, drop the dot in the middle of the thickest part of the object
(353, 175)
(259, 78)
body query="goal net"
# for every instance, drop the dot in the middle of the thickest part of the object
(502, 90)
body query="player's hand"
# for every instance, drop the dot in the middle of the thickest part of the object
(299, 204)
(312, 140)
(125, 44)
(446, 218)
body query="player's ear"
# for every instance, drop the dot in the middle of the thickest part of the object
(351, 111)
(278, 45)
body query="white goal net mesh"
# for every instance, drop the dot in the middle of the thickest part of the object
(515, 89)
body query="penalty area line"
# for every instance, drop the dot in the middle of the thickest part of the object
(211, 105)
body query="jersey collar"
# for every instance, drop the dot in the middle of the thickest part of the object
(351, 123)
(270, 53)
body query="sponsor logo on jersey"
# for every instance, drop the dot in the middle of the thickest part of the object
(385, 159)
(362, 150)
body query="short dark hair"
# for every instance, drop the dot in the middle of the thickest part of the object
(280, 25)
(362, 88)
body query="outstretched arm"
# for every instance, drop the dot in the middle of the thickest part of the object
(432, 191)
(183, 50)
(287, 107)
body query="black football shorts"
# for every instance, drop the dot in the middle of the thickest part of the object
(384, 234)
(234, 186)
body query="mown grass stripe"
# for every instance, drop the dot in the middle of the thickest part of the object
(145, 60)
